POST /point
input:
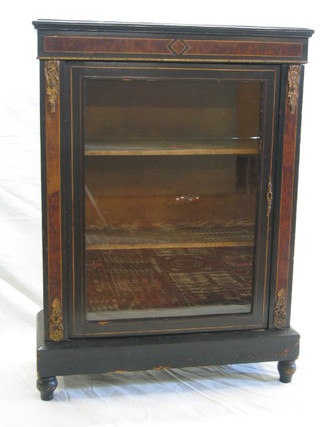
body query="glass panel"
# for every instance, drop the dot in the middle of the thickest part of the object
(171, 177)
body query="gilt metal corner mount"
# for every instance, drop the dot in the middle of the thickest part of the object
(293, 86)
(52, 84)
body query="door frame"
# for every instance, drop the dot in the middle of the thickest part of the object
(79, 326)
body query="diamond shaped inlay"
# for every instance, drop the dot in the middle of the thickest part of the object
(178, 47)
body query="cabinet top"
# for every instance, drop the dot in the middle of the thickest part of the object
(60, 25)
(90, 40)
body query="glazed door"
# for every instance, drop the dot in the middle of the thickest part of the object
(172, 196)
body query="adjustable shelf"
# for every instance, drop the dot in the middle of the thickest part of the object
(169, 237)
(228, 146)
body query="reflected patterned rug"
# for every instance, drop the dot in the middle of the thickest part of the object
(168, 278)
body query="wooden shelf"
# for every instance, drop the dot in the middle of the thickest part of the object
(228, 146)
(170, 237)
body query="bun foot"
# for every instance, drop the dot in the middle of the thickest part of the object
(286, 370)
(47, 386)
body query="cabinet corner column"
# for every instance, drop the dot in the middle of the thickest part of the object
(280, 300)
(54, 329)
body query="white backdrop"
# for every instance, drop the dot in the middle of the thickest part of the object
(182, 397)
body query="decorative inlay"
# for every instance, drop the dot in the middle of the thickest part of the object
(178, 47)
(55, 321)
(269, 196)
(293, 86)
(99, 47)
(280, 312)
(52, 84)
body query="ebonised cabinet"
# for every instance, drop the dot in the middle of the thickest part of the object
(169, 177)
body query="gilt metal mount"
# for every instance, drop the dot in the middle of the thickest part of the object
(280, 312)
(55, 321)
(52, 84)
(293, 86)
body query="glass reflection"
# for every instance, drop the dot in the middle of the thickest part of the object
(171, 176)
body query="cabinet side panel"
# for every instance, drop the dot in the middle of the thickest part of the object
(280, 299)
(51, 70)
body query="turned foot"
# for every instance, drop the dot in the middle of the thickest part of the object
(47, 386)
(286, 370)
